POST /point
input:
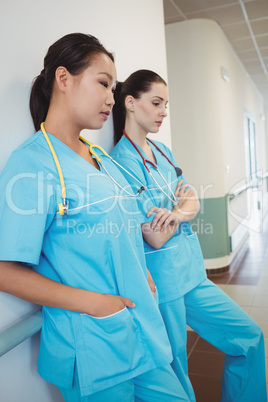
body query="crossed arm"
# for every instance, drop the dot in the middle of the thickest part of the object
(165, 223)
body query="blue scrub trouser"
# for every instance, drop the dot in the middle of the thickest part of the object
(220, 321)
(158, 385)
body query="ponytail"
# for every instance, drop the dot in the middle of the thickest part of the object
(39, 101)
(73, 52)
(119, 113)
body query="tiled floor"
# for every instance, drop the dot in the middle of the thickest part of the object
(247, 284)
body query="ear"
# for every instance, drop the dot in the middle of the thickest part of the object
(61, 77)
(130, 103)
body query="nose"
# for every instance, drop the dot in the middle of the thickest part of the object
(164, 112)
(110, 99)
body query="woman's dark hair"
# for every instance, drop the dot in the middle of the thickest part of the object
(135, 85)
(73, 52)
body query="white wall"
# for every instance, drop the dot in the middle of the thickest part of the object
(207, 116)
(206, 111)
(134, 32)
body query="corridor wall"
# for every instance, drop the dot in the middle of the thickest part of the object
(27, 29)
(209, 93)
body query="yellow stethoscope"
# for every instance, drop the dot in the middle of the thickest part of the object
(64, 205)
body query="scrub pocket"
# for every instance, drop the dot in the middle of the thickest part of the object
(110, 348)
(195, 247)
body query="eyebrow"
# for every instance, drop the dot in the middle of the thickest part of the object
(159, 97)
(108, 75)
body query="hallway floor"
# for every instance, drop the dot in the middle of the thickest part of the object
(247, 284)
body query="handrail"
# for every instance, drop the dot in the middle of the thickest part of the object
(19, 332)
(245, 187)
(263, 176)
(239, 191)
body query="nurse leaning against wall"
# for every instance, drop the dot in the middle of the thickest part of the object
(99, 339)
(172, 250)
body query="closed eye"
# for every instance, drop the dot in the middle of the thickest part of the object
(105, 84)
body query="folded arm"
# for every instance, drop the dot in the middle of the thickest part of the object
(165, 223)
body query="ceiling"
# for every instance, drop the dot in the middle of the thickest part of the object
(244, 22)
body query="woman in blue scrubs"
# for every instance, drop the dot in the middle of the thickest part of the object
(67, 243)
(172, 250)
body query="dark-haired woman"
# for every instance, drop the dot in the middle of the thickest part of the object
(66, 242)
(172, 250)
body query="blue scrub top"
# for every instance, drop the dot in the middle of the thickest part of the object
(98, 247)
(178, 266)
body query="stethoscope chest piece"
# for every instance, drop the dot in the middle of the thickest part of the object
(64, 207)
(178, 171)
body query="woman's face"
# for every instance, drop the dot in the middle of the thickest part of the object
(90, 94)
(150, 108)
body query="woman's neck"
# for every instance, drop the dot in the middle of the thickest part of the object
(60, 126)
(137, 135)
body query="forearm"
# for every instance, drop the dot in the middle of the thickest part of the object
(166, 223)
(187, 210)
(157, 238)
(31, 286)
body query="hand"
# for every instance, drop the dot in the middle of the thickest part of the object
(184, 192)
(151, 282)
(162, 219)
(107, 304)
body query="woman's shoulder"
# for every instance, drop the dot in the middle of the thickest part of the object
(32, 143)
(27, 156)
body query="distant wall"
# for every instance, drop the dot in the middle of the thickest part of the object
(207, 122)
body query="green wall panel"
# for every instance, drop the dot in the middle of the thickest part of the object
(211, 224)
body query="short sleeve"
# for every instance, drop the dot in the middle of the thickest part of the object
(25, 210)
(137, 182)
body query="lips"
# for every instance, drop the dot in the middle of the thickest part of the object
(106, 114)
(159, 123)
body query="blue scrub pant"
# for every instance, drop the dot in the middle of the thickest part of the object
(220, 321)
(158, 385)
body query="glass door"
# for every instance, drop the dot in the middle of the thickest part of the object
(254, 194)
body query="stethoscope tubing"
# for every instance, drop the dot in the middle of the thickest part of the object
(145, 161)
(64, 206)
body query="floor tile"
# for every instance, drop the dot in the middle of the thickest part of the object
(263, 282)
(204, 346)
(207, 363)
(192, 338)
(245, 280)
(261, 290)
(206, 389)
(259, 313)
(240, 289)
(241, 294)
(266, 346)
(260, 300)
(224, 278)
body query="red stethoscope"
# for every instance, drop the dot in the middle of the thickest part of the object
(146, 161)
